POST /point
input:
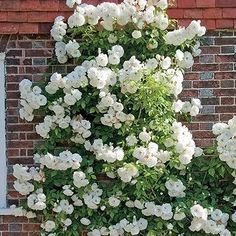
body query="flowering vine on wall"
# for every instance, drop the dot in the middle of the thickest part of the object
(114, 159)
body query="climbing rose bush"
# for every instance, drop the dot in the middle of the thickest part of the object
(114, 159)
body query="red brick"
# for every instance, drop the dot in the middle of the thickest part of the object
(204, 118)
(21, 144)
(29, 5)
(205, 3)
(191, 76)
(193, 13)
(44, 27)
(186, 3)
(210, 101)
(204, 142)
(15, 234)
(12, 219)
(63, 6)
(35, 16)
(52, 5)
(3, 16)
(225, 109)
(229, 12)
(224, 24)
(28, 28)
(189, 93)
(226, 117)
(202, 134)
(205, 67)
(225, 41)
(176, 13)
(9, 28)
(225, 75)
(16, 16)
(192, 126)
(212, 13)
(206, 126)
(3, 227)
(210, 49)
(225, 58)
(209, 24)
(20, 127)
(227, 67)
(39, 5)
(227, 101)
(184, 22)
(206, 84)
(225, 3)
(227, 84)
(31, 227)
(13, 152)
(7, 5)
(224, 92)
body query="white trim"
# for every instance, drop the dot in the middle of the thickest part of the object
(3, 167)
(5, 211)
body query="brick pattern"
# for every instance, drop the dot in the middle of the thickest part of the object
(20, 226)
(36, 16)
(212, 78)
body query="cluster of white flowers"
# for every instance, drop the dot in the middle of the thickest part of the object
(19, 211)
(63, 206)
(183, 142)
(151, 156)
(58, 30)
(79, 179)
(108, 82)
(105, 152)
(226, 141)
(192, 107)
(215, 224)
(120, 228)
(101, 77)
(128, 172)
(74, 80)
(164, 211)
(63, 161)
(175, 188)
(37, 200)
(81, 128)
(63, 51)
(114, 115)
(23, 187)
(48, 226)
(31, 99)
(130, 74)
(24, 174)
(92, 198)
(107, 14)
(179, 36)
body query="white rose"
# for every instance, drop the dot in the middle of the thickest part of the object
(166, 63)
(85, 221)
(69, 99)
(144, 136)
(102, 59)
(49, 226)
(136, 34)
(114, 202)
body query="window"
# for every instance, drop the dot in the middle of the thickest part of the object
(3, 168)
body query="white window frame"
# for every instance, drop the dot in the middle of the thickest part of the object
(3, 159)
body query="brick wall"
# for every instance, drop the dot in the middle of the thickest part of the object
(212, 79)
(36, 16)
